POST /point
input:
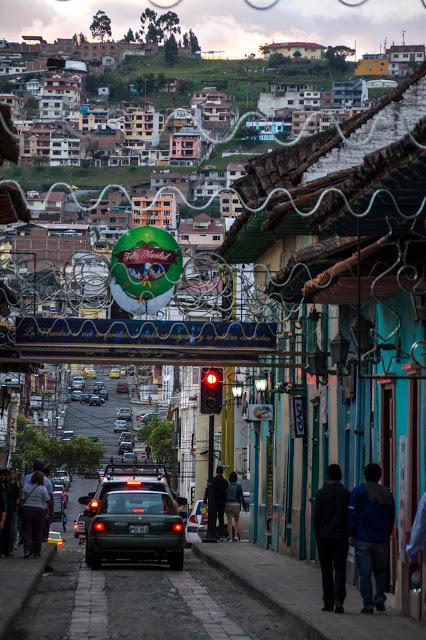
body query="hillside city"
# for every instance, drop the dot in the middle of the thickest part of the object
(269, 173)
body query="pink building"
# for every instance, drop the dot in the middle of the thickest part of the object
(185, 144)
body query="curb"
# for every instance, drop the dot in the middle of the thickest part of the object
(25, 594)
(305, 626)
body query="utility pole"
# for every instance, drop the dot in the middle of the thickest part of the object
(211, 523)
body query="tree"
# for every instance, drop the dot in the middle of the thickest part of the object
(161, 440)
(171, 50)
(150, 27)
(193, 42)
(101, 26)
(186, 40)
(276, 60)
(130, 36)
(297, 54)
(336, 58)
(168, 23)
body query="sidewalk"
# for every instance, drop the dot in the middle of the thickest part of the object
(294, 588)
(18, 578)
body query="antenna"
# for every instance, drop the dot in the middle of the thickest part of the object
(403, 37)
(386, 43)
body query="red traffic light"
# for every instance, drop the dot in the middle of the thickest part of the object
(211, 378)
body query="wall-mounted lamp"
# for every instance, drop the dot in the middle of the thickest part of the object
(237, 392)
(261, 384)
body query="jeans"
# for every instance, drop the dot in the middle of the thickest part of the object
(332, 556)
(371, 558)
(32, 526)
(219, 514)
(13, 531)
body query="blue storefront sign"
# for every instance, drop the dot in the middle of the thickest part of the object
(221, 340)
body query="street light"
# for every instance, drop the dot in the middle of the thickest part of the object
(237, 392)
(261, 384)
(317, 362)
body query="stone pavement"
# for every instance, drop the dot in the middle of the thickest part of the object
(18, 577)
(294, 588)
(90, 615)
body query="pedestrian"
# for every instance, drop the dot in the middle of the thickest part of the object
(371, 516)
(219, 489)
(3, 514)
(34, 502)
(331, 532)
(64, 521)
(48, 516)
(14, 493)
(234, 501)
(148, 452)
(418, 534)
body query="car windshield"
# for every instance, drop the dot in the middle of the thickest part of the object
(135, 503)
(134, 485)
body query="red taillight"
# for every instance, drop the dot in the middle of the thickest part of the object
(193, 519)
(137, 510)
(134, 483)
(60, 543)
(177, 527)
(94, 504)
(76, 526)
(99, 526)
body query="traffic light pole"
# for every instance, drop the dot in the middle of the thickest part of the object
(211, 523)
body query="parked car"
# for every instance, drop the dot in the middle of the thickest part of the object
(125, 413)
(125, 436)
(95, 401)
(122, 387)
(79, 525)
(76, 395)
(194, 522)
(120, 425)
(85, 398)
(114, 373)
(137, 525)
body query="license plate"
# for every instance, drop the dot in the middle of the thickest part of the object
(142, 528)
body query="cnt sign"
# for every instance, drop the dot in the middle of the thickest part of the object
(297, 412)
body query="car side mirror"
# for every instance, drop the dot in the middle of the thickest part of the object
(84, 499)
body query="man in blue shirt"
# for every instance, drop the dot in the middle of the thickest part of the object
(418, 532)
(371, 516)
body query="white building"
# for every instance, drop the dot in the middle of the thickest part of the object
(33, 87)
(64, 149)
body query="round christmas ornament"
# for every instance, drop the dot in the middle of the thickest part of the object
(146, 265)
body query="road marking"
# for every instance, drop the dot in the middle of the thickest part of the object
(211, 615)
(90, 614)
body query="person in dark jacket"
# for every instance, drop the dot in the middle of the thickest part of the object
(331, 531)
(219, 495)
(371, 516)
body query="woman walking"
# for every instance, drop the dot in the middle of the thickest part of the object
(234, 500)
(35, 499)
(14, 493)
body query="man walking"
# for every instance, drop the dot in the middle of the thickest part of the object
(331, 531)
(371, 517)
(219, 494)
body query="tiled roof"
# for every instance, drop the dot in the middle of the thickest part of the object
(281, 45)
(285, 166)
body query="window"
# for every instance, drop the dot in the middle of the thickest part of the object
(225, 200)
(216, 237)
(184, 237)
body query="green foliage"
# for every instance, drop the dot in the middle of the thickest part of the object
(276, 60)
(130, 36)
(171, 50)
(297, 54)
(159, 435)
(336, 58)
(79, 454)
(101, 26)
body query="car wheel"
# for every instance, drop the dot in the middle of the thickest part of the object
(176, 561)
(93, 559)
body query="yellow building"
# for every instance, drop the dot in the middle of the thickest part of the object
(372, 67)
(300, 50)
(143, 124)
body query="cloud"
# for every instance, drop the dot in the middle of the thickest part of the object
(232, 24)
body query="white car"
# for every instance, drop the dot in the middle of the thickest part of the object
(120, 425)
(194, 522)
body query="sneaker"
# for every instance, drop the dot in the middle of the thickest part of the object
(367, 610)
(339, 609)
(380, 606)
(27, 555)
(229, 539)
(236, 539)
(327, 609)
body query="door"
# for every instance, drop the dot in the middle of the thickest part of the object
(314, 476)
(289, 490)
(387, 459)
(269, 502)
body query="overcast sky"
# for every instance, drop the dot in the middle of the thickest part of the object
(232, 25)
